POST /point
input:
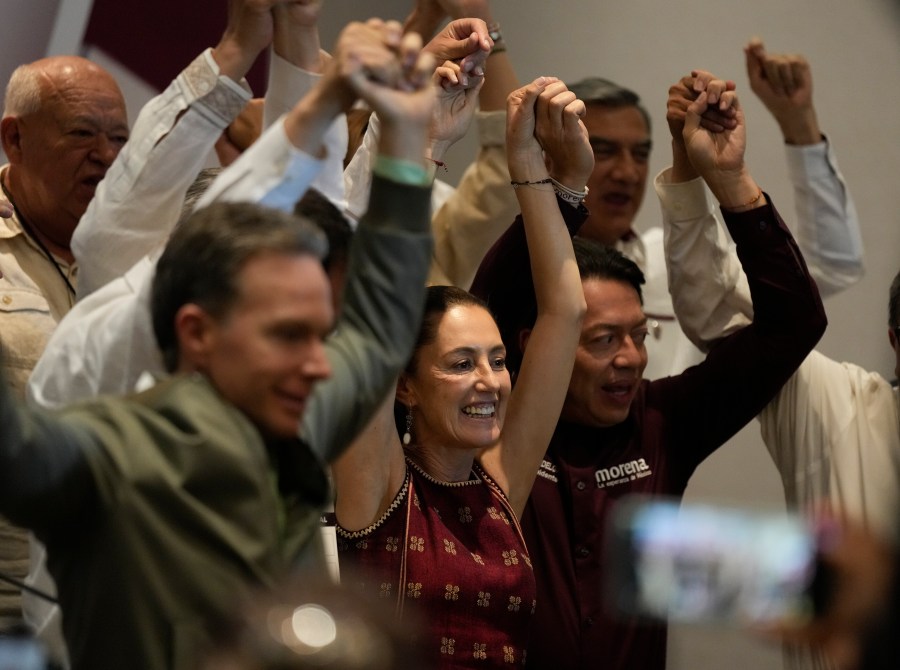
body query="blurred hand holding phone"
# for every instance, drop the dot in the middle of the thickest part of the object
(708, 563)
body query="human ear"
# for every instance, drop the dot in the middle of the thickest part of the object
(405, 391)
(195, 333)
(11, 138)
(524, 336)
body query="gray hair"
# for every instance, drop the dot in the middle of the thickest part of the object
(23, 92)
(599, 91)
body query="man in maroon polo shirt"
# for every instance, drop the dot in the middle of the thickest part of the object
(620, 434)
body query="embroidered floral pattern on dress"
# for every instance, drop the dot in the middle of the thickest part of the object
(454, 550)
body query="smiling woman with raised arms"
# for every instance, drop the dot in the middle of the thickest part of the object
(430, 521)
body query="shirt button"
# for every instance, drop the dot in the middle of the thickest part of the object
(7, 299)
(581, 486)
(762, 225)
(589, 621)
(583, 552)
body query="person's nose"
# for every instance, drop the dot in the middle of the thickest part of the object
(105, 150)
(488, 379)
(626, 168)
(629, 354)
(315, 363)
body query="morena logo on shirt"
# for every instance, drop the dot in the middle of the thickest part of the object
(622, 473)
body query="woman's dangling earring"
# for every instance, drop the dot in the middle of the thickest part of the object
(407, 436)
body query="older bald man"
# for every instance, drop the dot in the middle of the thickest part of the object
(63, 124)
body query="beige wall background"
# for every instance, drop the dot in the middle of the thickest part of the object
(854, 48)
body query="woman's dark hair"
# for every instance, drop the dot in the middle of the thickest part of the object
(438, 301)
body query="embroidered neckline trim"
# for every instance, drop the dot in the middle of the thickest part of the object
(398, 500)
(469, 482)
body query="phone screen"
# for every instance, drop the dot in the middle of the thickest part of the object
(699, 562)
(19, 653)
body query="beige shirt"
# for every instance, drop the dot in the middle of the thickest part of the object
(33, 297)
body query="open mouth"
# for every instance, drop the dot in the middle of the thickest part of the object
(617, 199)
(480, 410)
(620, 391)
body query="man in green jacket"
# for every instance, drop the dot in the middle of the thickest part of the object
(160, 510)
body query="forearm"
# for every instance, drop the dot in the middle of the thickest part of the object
(475, 216)
(785, 297)
(744, 371)
(103, 347)
(272, 172)
(557, 283)
(138, 202)
(299, 44)
(708, 287)
(382, 307)
(827, 224)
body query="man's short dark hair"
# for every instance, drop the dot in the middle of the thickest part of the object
(894, 303)
(596, 261)
(513, 303)
(318, 209)
(207, 252)
(603, 92)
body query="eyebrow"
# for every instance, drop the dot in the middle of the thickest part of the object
(90, 121)
(473, 350)
(617, 326)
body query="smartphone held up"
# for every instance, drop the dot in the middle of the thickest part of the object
(712, 564)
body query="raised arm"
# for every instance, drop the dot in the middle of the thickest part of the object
(383, 297)
(708, 287)
(138, 202)
(743, 371)
(86, 353)
(827, 224)
(544, 109)
(475, 215)
(446, 45)
(392, 272)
